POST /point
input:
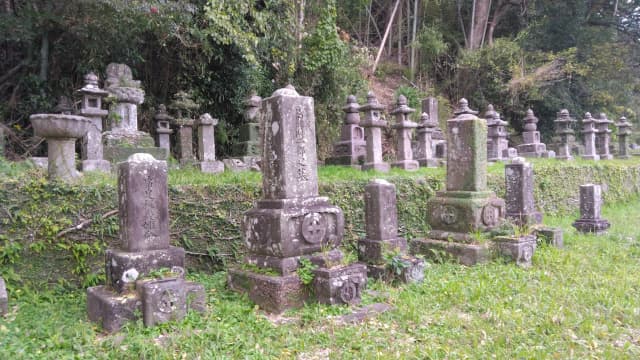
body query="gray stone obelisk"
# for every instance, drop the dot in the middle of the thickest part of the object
(207, 145)
(404, 127)
(373, 125)
(589, 132)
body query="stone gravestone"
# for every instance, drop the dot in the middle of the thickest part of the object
(351, 148)
(624, 130)
(373, 125)
(92, 152)
(590, 211)
(4, 299)
(603, 137)
(404, 127)
(467, 206)
(207, 145)
(124, 138)
(532, 146)
(144, 233)
(163, 128)
(497, 141)
(247, 150)
(425, 150)
(382, 241)
(520, 204)
(291, 222)
(438, 143)
(589, 132)
(183, 123)
(563, 129)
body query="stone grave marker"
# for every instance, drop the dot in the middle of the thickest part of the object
(520, 204)
(438, 141)
(163, 128)
(425, 154)
(589, 132)
(497, 141)
(92, 152)
(247, 150)
(563, 128)
(603, 137)
(373, 125)
(624, 130)
(404, 127)
(207, 145)
(532, 146)
(590, 211)
(351, 148)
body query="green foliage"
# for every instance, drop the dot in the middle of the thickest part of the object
(305, 271)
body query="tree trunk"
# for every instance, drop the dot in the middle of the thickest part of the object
(44, 57)
(399, 34)
(413, 39)
(480, 17)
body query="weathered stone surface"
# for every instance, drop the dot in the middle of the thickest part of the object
(465, 254)
(519, 249)
(123, 268)
(206, 145)
(520, 204)
(438, 143)
(532, 147)
(163, 128)
(466, 151)
(4, 299)
(111, 310)
(624, 130)
(274, 294)
(411, 270)
(563, 128)
(603, 137)
(350, 149)
(92, 154)
(496, 135)
(249, 141)
(425, 154)
(163, 300)
(40, 162)
(590, 211)
(589, 133)
(404, 127)
(551, 235)
(340, 284)
(364, 313)
(143, 203)
(373, 125)
(184, 129)
(117, 154)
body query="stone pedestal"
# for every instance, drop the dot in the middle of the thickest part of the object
(144, 232)
(589, 132)
(550, 235)
(425, 154)
(291, 221)
(563, 128)
(207, 145)
(521, 208)
(92, 154)
(624, 130)
(350, 150)
(466, 206)
(382, 242)
(590, 211)
(603, 137)
(404, 127)
(532, 147)
(518, 249)
(373, 125)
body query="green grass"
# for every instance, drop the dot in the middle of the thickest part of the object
(580, 302)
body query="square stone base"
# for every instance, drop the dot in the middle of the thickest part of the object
(594, 226)
(550, 235)
(96, 165)
(464, 212)
(373, 251)
(380, 167)
(211, 167)
(273, 294)
(123, 268)
(519, 249)
(340, 284)
(4, 299)
(465, 254)
(411, 271)
(110, 309)
(409, 165)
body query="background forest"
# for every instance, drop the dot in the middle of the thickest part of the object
(576, 54)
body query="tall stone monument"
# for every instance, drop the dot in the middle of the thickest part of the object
(467, 207)
(563, 128)
(590, 211)
(532, 146)
(497, 141)
(351, 148)
(163, 128)
(183, 125)
(92, 152)
(603, 137)
(521, 207)
(439, 143)
(124, 138)
(291, 222)
(144, 232)
(247, 150)
(624, 130)
(425, 154)
(207, 145)
(589, 133)
(382, 240)
(373, 125)
(404, 127)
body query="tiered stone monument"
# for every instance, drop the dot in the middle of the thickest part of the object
(183, 123)
(144, 231)
(603, 137)
(373, 125)
(438, 142)
(563, 128)
(124, 138)
(497, 141)
(4, 299)
(92, 152)
(532, 147)
(292, 222)
(382, 240)
(590, 211)
(425, 149)
(589, 133)
(61, 132)
(624, 130)
(467, 205)
(404, 127)
(351, 148)
(521, 207)
(163, 128)
(207, 145)
(247, 150)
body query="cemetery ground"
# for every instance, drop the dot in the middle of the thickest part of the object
(576, 302)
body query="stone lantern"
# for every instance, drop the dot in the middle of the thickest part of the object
(404, 126)
(624, 130)
(563, 128)
(373, 125)
(92, 151)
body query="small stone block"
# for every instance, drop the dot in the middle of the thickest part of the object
(465, 254)
(327, 259)
(412, 270)
(110, 309)
(519, 249)
(120, 264)
(380, 167)
(196, 296)
(552, 236)
(593, 226)
(373, 251)
(96, 165)
(211, 167)
(163, 300)
(4, 299)
(340, 285)
(364, 313)
(273, 294)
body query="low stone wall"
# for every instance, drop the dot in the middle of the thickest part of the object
(35, 215)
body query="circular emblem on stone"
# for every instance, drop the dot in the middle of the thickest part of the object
(167, 301)
(415, 273)
(448, 214)
(314, 226)
(527, 253)
(490, 215)
(348, 292)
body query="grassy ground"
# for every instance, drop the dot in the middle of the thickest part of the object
(580, 302)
